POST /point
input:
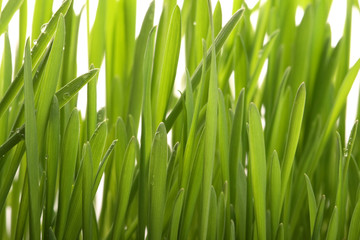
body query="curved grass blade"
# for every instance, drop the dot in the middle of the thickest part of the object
(7, 13)
(72, 88)
(32, 155)
(257, 169)
(157, 183)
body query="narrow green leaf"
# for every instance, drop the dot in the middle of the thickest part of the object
(293, 138)
(275, 193)
(189, 102)
(6, 74)
(23, 210)
(69, 149)
(72, 88)
(212, 216)
(162, 91)
(126, 178)
(97, 143)
(332, 230)
(221, 217)
(257, 169)
(280, 233)
(137, 85)
(50, 77)
(174, 229)
(32, 155)
(157, 183)
(312, 203)
(42, 14)
(354, 230)
(102, 166)
(52, 154)
(87, 180)
(7, 13)
(319, 219)
(210, 138)
(254, 75)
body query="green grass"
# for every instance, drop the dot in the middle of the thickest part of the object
(233, 156)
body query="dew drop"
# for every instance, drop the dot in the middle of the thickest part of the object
(66, 96)
(35, 42)
(43, 27)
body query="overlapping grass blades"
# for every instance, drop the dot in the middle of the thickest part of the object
(234, 156)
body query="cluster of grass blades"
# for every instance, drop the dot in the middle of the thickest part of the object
(247, 158)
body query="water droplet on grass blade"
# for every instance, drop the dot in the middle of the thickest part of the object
(66, 96)
(43, 27)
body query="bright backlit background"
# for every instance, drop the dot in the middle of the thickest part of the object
(336, 20)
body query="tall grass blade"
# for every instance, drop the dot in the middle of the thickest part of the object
(32, 154)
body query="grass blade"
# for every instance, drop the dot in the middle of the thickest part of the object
(293, 138)
(32, 155)
(157, 183)
(87, 180)
(165, 85)
(354, 230)
(10, 8)
(174, 230)
(69, 149)
(126, 179)
(195, 78)
(257, 169)
(333, 225)
(275, 193)
(52, 153)
(312, 203)
(210, 138)
(319, 219)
